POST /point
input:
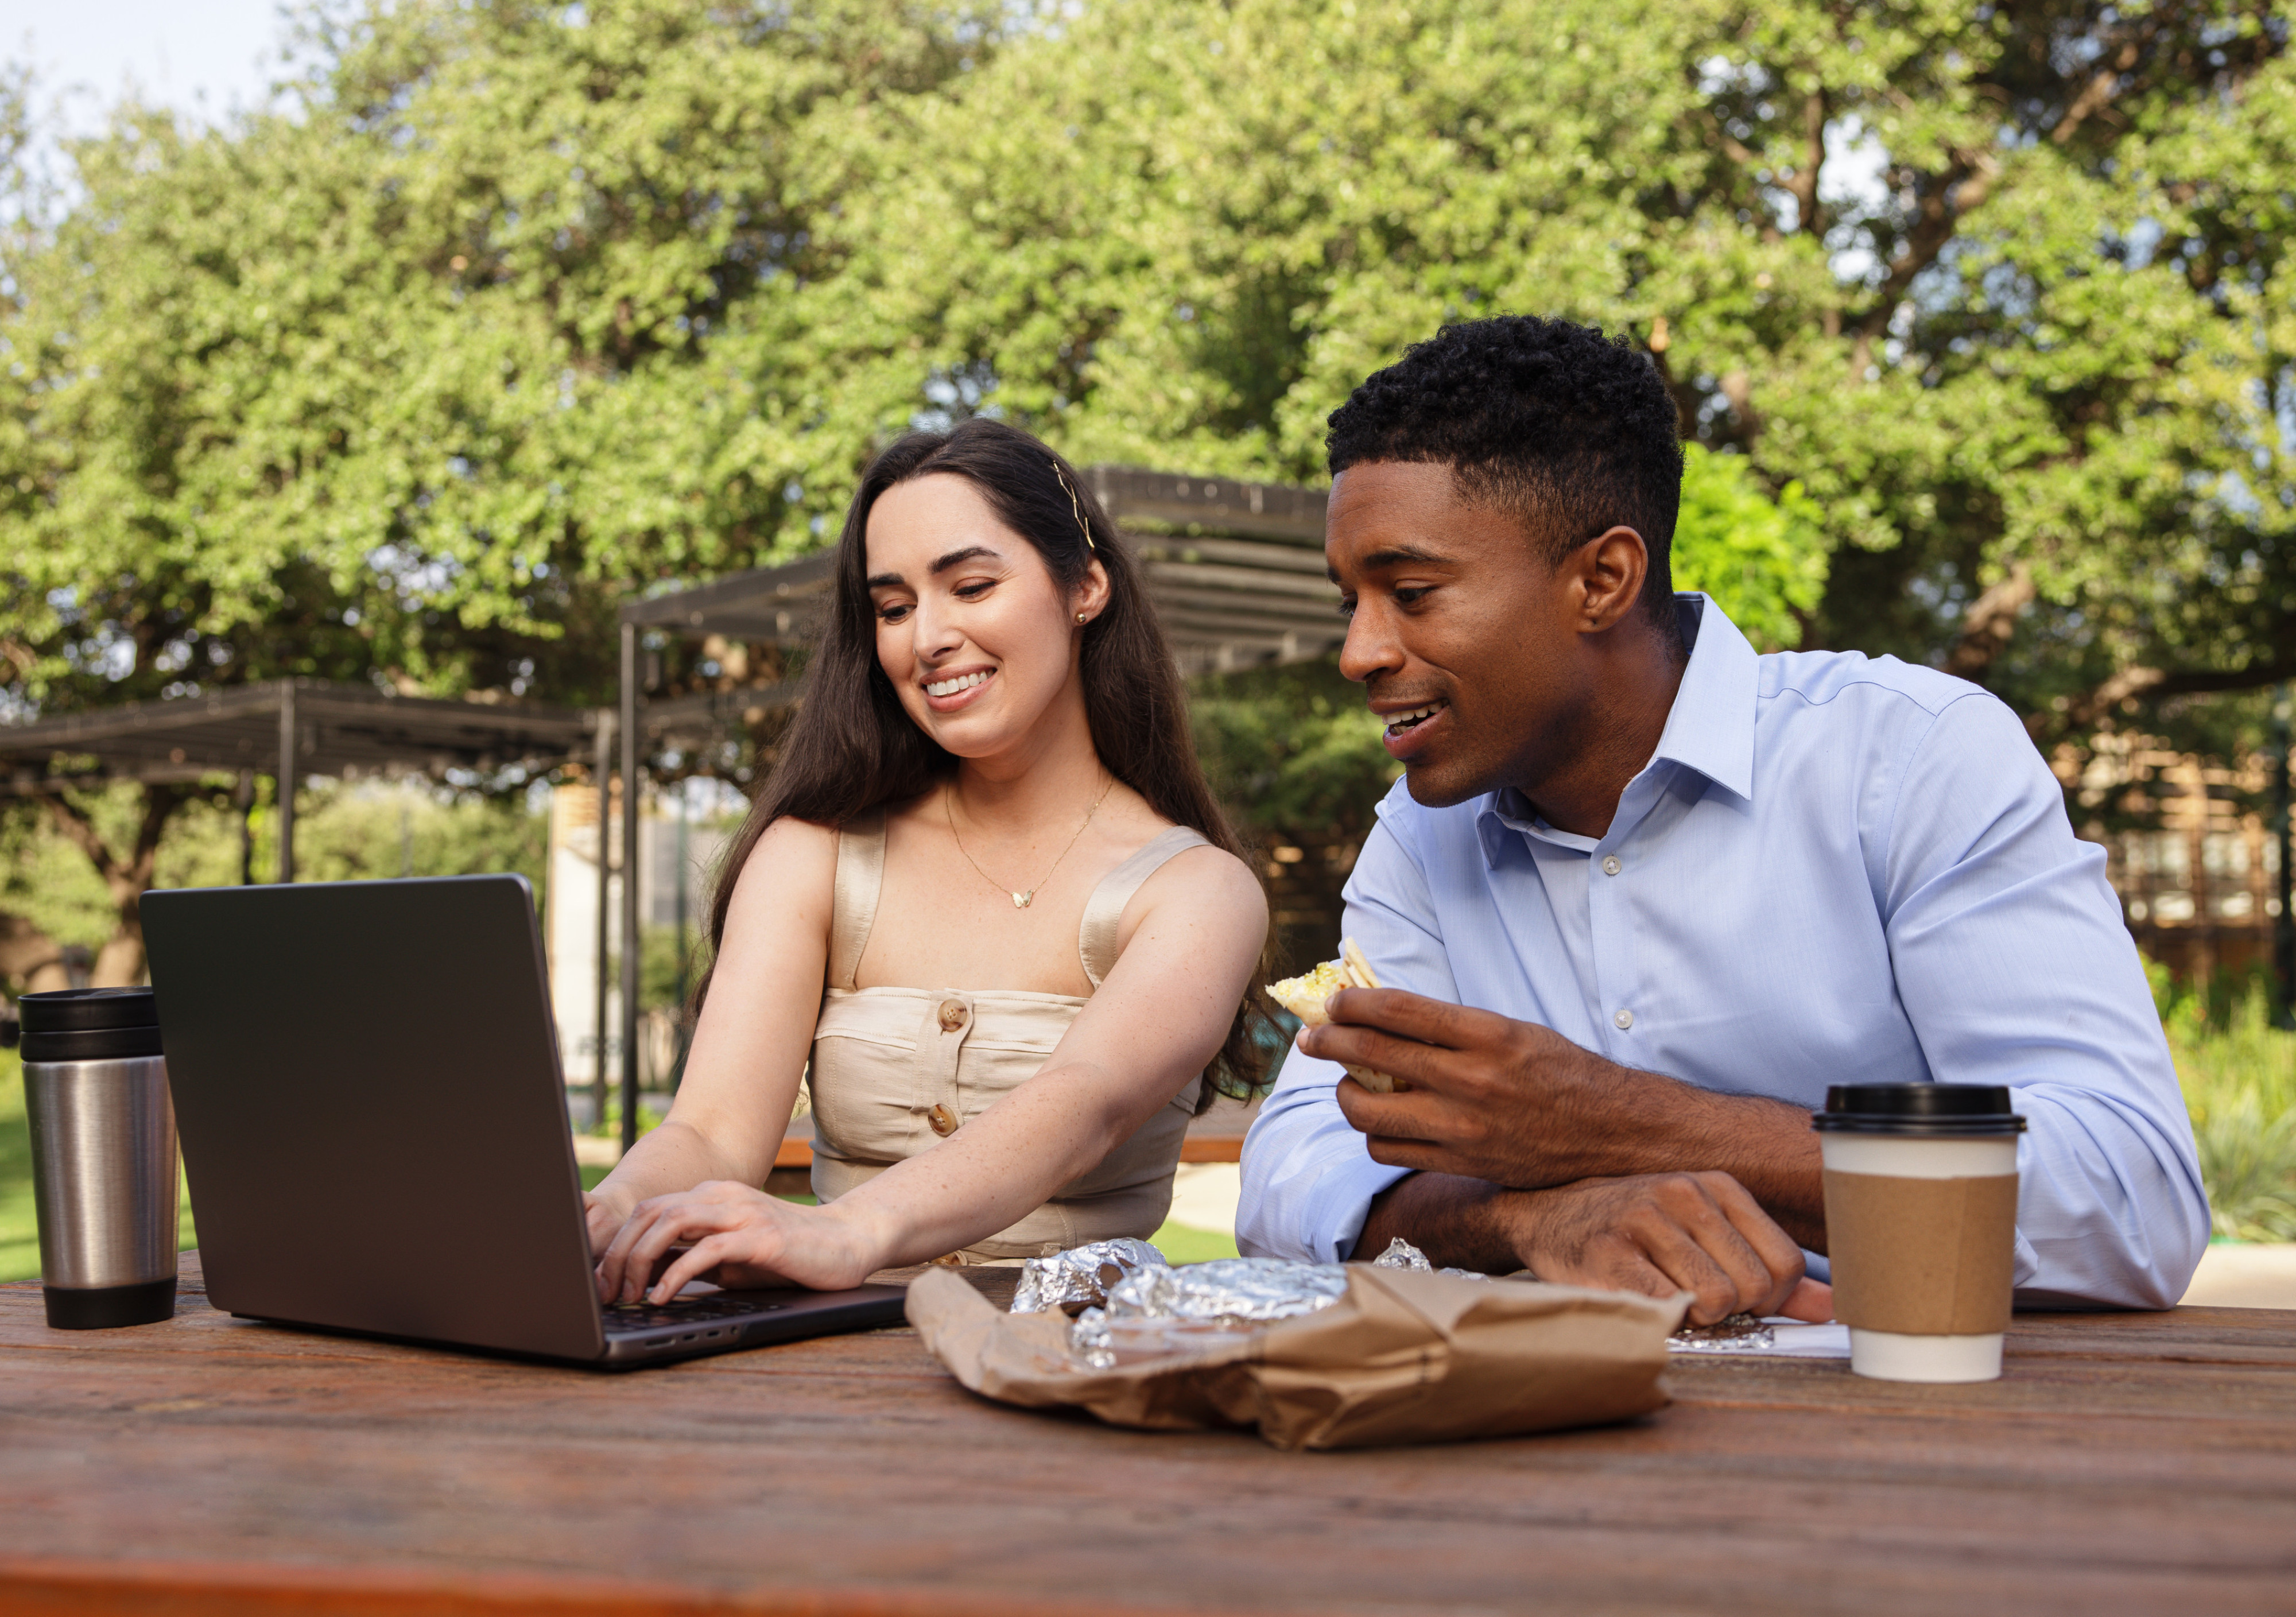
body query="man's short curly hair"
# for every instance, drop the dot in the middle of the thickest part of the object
(1566, 431)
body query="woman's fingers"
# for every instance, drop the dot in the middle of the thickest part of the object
(695, 1262)
(603, 1220)
(629, 1263)
(613, 1264)
(685, 1222)
(766, 1240)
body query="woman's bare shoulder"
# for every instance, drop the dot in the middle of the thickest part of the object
(791, 838)
(1208, 875)
(792, 859)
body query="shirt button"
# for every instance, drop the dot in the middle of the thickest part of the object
(943, 1120)
(1625, 1019)
(953, 1015)
(1610, 866)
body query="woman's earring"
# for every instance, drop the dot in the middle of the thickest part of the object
(1082, 617)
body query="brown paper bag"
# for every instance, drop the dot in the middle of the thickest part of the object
(1405, 1357)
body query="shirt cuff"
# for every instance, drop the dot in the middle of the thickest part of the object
(1308, 1179)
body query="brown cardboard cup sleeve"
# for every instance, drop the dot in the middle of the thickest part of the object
(1404, 1357)
(1921, 1257)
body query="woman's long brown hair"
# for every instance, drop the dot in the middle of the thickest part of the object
(851, 746)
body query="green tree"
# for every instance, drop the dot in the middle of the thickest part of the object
(415, 383)
(2001, 289)
(1984, 313)
(1764, 560)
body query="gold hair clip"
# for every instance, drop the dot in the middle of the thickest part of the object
(1074, 507)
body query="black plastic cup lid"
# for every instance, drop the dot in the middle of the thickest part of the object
(85, 1010)
(1917, 1109)
(89, 1024)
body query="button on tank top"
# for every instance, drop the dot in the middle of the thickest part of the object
(896, 1070)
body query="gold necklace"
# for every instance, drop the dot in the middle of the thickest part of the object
(1021, 899)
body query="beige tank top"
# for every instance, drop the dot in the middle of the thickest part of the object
(896, 1070)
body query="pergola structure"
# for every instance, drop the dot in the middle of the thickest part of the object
(286, 728)
(289, 728)
(1236, 570)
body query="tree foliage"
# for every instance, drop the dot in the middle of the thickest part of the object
(1764, 560)
(414, 379)
(2002, 289)
(1984, 311)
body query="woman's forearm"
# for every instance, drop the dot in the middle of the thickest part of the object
(994, 1171)
(678, 1156)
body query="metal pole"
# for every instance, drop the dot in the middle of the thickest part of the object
(2284, 928)
(631, 792)
(605, 768)
(243, 799)
(677, 1070)
(286, 779)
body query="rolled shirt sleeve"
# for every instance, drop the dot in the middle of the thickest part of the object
(2014, 968)
(1308, 1179)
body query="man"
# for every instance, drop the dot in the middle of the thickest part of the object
(1641, 895)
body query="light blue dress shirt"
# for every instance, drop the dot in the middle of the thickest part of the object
(1834, 869)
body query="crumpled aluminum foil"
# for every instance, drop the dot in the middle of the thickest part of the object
(1136, 1305)
(1401, 1254)
(1732, 1334)
(1160, 1311)
(1082, 1275)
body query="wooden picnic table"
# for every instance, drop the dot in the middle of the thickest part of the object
(2129, 1463)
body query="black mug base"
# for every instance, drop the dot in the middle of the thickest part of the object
(104, 1307)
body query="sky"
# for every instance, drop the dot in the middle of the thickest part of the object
(200, 57)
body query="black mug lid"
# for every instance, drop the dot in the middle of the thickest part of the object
(89, 1024)
(88, 1010)
(1930, 1108)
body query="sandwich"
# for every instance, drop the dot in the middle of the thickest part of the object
(1305, 995)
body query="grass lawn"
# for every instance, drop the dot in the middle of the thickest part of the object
(1183, 1244)
(19, 1230)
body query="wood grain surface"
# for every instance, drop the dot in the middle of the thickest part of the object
(2133, 1463)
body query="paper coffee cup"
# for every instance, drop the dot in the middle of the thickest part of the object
(1921, 1225)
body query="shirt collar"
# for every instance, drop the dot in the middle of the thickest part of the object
(1710, 728)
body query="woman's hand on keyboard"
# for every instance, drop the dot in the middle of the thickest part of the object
(735, 1236)
(606, 1209)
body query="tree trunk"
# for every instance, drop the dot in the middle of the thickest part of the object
(1988, 624)
(120, 963)
(29, 954)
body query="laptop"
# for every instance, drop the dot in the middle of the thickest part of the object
(374, 1128)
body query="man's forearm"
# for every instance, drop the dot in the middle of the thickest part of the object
(1666, 1127)
(1767, 1145)
(1487, 1097)
(1459, 1223)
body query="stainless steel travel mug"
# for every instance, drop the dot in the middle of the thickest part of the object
(104, 1156)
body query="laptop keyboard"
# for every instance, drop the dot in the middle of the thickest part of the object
(649, 1316)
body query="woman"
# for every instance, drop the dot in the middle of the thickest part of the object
(986, 892)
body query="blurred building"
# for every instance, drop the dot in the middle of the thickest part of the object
(2200, 884)
(677, 853)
